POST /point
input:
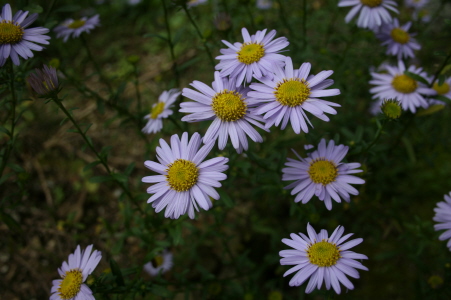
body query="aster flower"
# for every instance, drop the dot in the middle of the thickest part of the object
(322, 258)
(373, 13)
(192, 3)
(398, 85)
(255, 57)
(322, 174)
(229, 109)
(264, 4)
(397, 39)
(186, 180)
(161, 263)
(443, 217)
(441, 90)
(18, 40)
(290, 93)
(76, 27)
(160, 110)
(416, 4)
(44, 82)
(74, 273)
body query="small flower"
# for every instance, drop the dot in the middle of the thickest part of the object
(321, 258)
(76, 27)
(397, 39)
(186, 181)
(373, 13)
(397, 85)
(391, 108)
(417, 4)
(322, 174)
(264, 4)
(227, 106)
(44, 82)
(192, 3)
(292, 92)
(443, 217)
(160, 110)
(16, 39)
(254, 57)
(74, 273)
(441, 90)
(161, 263)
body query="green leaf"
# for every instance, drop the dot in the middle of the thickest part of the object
(91, 165)
(441, 79)
(176, 234)
(98, 179)
(130, 168)
(120, 177)
(416, 77)
(16, 168)
(117, 272)
(3, 129)
(442, 98)
(147, 35)
(228, 202)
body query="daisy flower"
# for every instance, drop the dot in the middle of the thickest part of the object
(396, 84)
(373, 13)
(264, 4)
(74, 273)
(322, 174)
(160, 110)
(290, 93)
(443, 216)
(44, 82)
(322, 258)
(229, 109)
(16, 39)
(76, 27)
(397, 39)
(185, 181)
(254, 57)
(161, 263)
(441, 90)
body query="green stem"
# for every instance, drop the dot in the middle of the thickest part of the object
(171, 45)
(440, 69)
(96, 65)
(10, 145)
(376, 137)
(99, 157)
(212, 61)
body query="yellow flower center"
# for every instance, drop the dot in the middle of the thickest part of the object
(292, 92)
(441, 89)
(10, 33)
(391, 108)
(157, 261)
(250, 53)
(323, 254)
(399, 35)
(76, 24)
(323, 171)
(71, 284)
(404, 84)
(157, 110)
(229, 105)
(182, 175)
(371, 3)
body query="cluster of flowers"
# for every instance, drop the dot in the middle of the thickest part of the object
(279, 95)
(391, 80)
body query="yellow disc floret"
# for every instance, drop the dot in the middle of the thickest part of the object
(250, 53)
(71, 284)
(391, 108)
(10, 33)
(399, 35)
(157, 110)
(182, 175)
(322, 171)
(229, 105)
(404, 84)
(76, 24)
(292, 92)
(441, 89)
(323, 254)
(371, 3)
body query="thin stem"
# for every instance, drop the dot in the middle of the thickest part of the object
(440, 69)
(200, 35)
(171, 45)
(52, 4)
(96, 66)
(376, 137)
(10, 145)
(100, 157)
